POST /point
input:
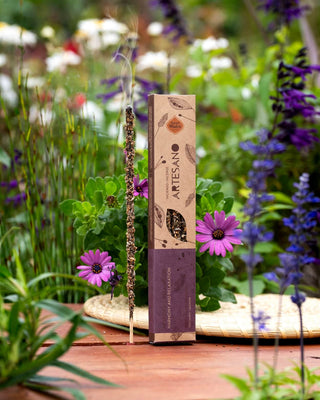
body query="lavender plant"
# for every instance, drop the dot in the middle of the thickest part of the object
(284, 12)
(176, 27)
(294, 109)
(298, 255)
(253, 232)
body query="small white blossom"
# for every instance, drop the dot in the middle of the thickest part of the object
(255, 81)
(34, 81)
(96, 26)
(155, 60)
(47, 32)
(100, 33)
(115, 103)
(7, 92)
(3, 60)
(141, 141)
(16, 35)
(211, 43)
(92, 111)
(155, 29)
(44, 116)
(201, 152)
(194, 71)
(246, 93)
(218, 63)
(60, 60)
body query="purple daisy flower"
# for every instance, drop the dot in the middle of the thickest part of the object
(218, 233)
(99, 267)
(140, 188)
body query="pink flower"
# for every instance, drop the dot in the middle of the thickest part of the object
(218, 233)
(99, 267)
(140, 188)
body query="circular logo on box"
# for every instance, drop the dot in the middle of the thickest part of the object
(174, 125)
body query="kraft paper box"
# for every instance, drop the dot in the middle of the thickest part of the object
(171, 230)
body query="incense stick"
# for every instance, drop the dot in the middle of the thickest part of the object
(130, 247)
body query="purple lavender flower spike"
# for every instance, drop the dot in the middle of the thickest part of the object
(141, 91)
(176, 27)
(292, 104)
(301, 223)
(260, 320)
(285, 11)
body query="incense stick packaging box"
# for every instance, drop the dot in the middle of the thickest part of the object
(171, 230)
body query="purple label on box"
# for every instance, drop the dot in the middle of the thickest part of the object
(172, 290)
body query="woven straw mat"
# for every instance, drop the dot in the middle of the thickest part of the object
(231, 320)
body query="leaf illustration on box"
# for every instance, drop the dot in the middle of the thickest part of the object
(158, 215)
(191, 153)
(179, 104)
(175, 336)
(161, 122)
(190, 199)
(176, 225)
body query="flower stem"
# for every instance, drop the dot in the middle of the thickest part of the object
(301, 353)
(252, 313)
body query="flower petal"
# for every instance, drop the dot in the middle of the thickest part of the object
(97, 257)
(209, 221)
(219, 218)
(204, 229)
(86, 258)
(204, 247)
(204, 238)
(219, 248)
(233, 239)
(227, 244)
(86, 267)
(85, 274)
(105, 275)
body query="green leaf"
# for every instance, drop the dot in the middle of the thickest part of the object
(228, 204)
(221, 294)
(99, 226)
(13, 322)
(98, 199)
(241, 384)
(4, 273)
(90, 188)
(91, 240)
(217, 197)
(225, 263)
(5, 158)
(82, 230)
(56, 308)
(66, 206)
(282, 198)
(111, 188)
(20, 272)
(46, 388)
(267, 247)
(204, 284)
(216, 276)
(211, 305)
(80, 372)
(264, 89)
(258, 287)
